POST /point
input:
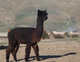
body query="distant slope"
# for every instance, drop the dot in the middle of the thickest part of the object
(14, 13)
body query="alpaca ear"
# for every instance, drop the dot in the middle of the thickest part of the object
(38, 10)
(45, 10)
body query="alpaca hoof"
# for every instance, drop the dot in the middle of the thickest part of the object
(38, 59)
(26, 61)
(7, 60)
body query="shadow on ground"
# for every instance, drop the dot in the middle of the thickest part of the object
(50, 56)
(56, 56)
(3, 47)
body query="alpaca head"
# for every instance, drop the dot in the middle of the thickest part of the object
(42, 14)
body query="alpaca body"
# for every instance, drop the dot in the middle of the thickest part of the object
(29, 36)
(23, 35)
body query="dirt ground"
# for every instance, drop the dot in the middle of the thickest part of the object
(49, 52)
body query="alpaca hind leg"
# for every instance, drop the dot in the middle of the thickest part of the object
(8, 51)
(36, 50)
(15, 51)
(27, 51)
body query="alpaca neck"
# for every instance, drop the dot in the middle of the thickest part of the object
(39, 26)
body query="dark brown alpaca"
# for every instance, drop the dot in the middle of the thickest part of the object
(30, 36)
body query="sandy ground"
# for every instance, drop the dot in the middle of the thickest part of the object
(49, 52)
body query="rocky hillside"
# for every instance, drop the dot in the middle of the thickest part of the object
(15, 13)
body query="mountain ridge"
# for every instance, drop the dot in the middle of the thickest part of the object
(14, 13)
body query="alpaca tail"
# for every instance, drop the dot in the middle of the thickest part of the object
(8, 30)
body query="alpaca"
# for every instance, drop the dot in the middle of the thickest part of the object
(29, 36)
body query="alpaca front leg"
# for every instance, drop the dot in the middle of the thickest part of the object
(36, 50)
(27, 51)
